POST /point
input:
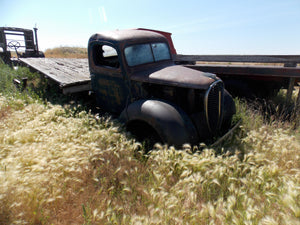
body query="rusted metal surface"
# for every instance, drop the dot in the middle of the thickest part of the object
(171, 123)
(112, 83)
(36, 39)
(167, 35)
(174, 75)
(126, 37)
(20, 40)
(71, 74)
(141, 82)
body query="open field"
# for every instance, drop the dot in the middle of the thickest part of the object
(66, 52)
(63, 164)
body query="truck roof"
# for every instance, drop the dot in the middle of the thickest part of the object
(128, 36)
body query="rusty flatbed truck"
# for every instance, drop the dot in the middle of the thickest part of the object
(133, 75)
(147, 82)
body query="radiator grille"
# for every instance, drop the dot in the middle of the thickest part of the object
(213, 102)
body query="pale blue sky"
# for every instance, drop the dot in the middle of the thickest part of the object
(198, 26)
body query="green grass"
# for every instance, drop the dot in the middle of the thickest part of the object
(61, 164)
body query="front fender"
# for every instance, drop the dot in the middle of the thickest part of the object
(229, 110)
(170, 122)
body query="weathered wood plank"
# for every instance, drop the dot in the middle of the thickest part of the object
(246, 70)
(240, 58)
(290, 89)
(77, 88)
(291, 82)
(66, 72)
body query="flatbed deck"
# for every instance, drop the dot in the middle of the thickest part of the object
(72, 75)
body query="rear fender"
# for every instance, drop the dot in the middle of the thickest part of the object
(170, 122)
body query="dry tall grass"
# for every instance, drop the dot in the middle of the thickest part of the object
(63, 165)
(66, 52)
(60, 168)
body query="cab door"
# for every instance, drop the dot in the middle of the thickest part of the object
(107, 77)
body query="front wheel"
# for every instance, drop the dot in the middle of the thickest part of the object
(144, 133)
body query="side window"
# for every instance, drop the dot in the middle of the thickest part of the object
(105, 55)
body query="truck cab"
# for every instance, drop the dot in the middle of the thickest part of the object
(133, 75)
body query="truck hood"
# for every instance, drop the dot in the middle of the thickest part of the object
(176, 75)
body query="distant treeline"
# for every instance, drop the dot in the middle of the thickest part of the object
(66, 52)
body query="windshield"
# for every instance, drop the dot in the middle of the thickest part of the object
(146, 53)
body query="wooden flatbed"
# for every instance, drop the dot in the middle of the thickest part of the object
(72, 75)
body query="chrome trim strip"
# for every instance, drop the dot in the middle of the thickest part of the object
(206, 103)
(220, 103)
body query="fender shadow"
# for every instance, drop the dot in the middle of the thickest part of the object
(170, 122)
